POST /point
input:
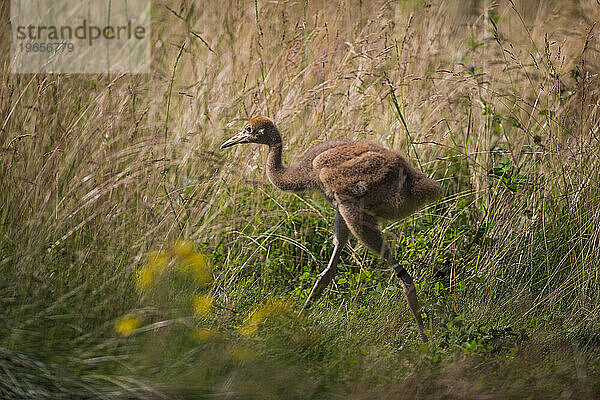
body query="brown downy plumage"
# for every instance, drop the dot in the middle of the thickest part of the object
(364, 181)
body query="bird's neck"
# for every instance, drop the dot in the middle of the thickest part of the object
(274, 165)
(284, 178)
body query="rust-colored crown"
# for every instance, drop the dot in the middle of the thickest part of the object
(259, 122)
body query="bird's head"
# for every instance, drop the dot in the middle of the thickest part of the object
(257, 130)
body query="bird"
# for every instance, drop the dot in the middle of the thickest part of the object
(365, 182)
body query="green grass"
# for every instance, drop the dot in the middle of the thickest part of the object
(499, 102)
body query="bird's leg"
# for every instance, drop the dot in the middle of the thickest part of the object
(340, 237)
(363, 225)
(408, 287)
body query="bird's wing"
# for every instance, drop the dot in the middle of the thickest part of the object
(357, 168)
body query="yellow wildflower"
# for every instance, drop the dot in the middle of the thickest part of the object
(203, 304)
(196, 261)
(144, 278)
(197, 264)
(127, 324)
(158, 260)
(183, 248)
(248, 328)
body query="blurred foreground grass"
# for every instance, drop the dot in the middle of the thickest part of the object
(137, 261)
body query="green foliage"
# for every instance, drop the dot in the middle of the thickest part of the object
(507, 174)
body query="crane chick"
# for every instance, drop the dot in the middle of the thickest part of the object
(365, 182)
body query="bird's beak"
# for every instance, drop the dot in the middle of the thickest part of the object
(239, 137)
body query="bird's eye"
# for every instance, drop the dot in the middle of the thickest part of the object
(249, 129)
